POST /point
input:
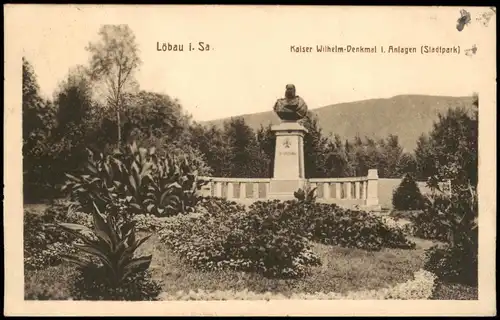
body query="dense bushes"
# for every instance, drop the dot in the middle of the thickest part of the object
(457, 264)
(43, 243)
(148, 222)
(330, 224)
(425, 225)
(216, 206)
(261, 241)
(92, 284)
(271, 237)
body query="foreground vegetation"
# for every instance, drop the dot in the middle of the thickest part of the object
(342, 269)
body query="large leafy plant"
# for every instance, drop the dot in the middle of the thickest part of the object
(173, 187)
(112, 244)
(306, 195)
(456, 213)
(186, 198)
(95, 185)
(121, 177)
(136, 180)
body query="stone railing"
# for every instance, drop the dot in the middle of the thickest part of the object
(241, 190)
(350, 192)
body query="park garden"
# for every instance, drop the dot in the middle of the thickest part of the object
(112, 209)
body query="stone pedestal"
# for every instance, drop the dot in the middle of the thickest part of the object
(289, 172)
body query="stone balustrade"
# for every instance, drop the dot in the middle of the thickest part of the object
(349, 192)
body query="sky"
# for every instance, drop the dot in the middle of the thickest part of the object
(249, 62)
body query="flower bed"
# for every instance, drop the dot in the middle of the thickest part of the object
(421, 287)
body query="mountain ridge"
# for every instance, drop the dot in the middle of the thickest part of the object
(405, 115)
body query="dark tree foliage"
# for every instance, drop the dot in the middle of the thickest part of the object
(407, 195)
(38, 121)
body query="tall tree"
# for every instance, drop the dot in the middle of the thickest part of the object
(336, 159)
(74, 104)
(214, 146)
(38, 121)
(315, 147)
(75, 122)
(245, 154)
(454, 142)
(406, 165)
(423, 158)
(267, 143)
(150, 114)
(113, 62)
(391, 153)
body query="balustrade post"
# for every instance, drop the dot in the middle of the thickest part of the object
(230, 190)
(243, 190)
(372, 189)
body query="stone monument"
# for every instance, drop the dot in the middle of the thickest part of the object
(289, 172)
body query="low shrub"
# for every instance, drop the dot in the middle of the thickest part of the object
(89, 283)
(353, 229)
(458, 264)
(216, 206)
(148, 222)
(271, 237)
(43, 243)
(333, 225)
(426, 226)
(270, 242)
(92, 283)
(420, 288)
(306, 195)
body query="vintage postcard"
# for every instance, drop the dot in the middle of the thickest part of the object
(249, 160)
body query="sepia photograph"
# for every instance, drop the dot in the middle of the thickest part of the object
(237, 154)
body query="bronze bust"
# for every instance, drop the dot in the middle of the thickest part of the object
(292, 107)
